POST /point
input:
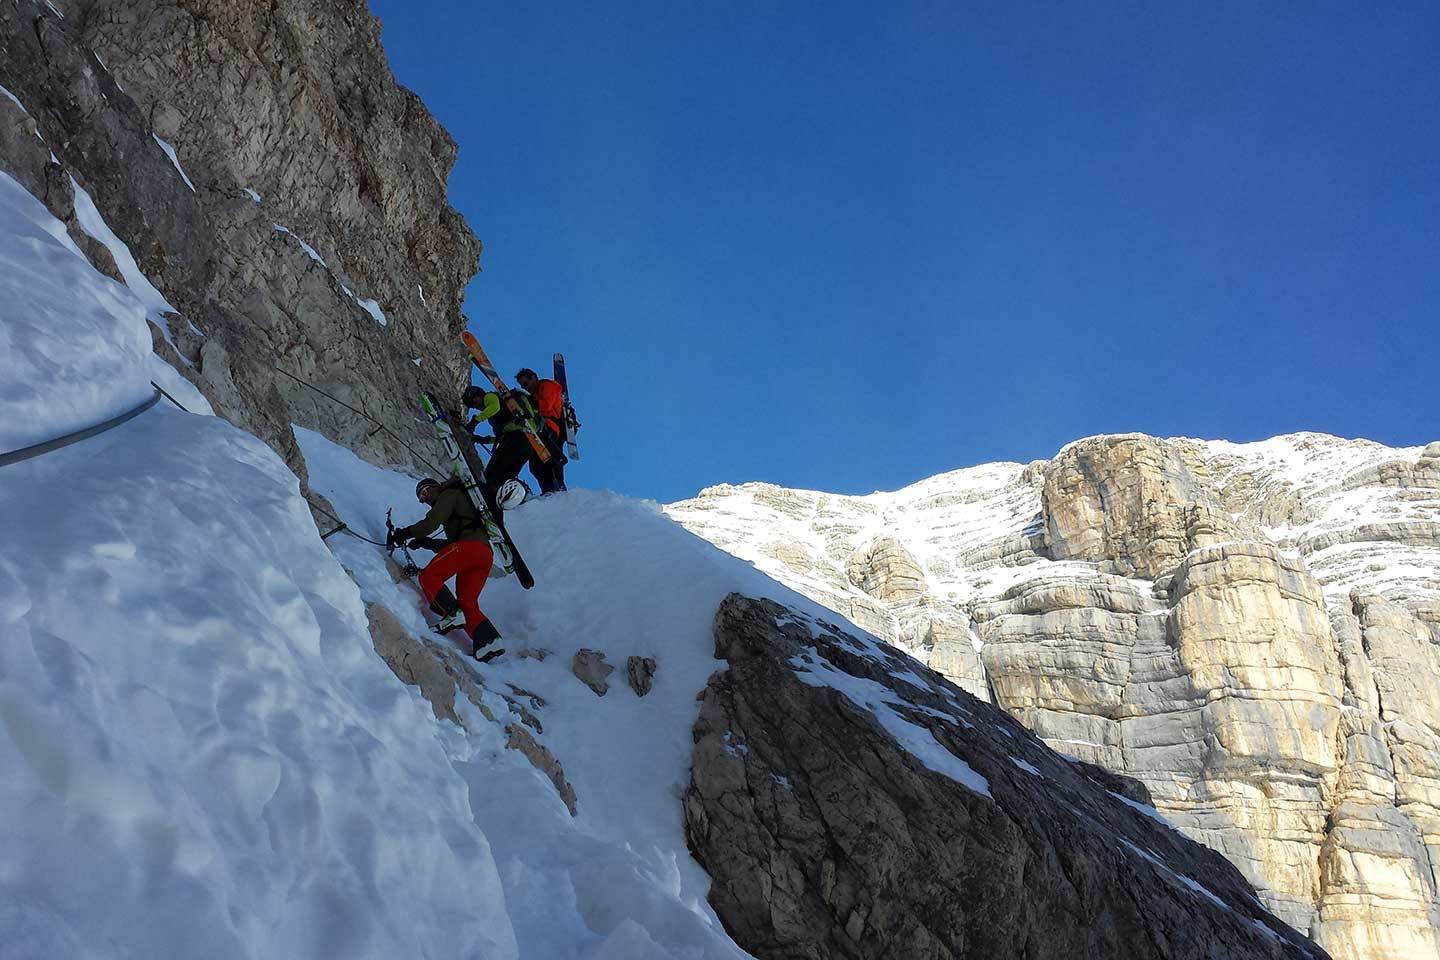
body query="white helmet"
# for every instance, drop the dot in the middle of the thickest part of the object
(511, 494)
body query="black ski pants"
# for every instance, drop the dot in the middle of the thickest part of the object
(556, 446)
(510, 455)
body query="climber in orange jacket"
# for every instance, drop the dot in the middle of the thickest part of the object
(550, 401)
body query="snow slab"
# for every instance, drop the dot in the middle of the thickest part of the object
(203, 754)
(371, 307)
(74, 348)
(170, 152)
(1142, 809)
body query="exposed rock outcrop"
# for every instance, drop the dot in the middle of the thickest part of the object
(879, 811)
(640, 674)
(442, 675)
(590, 668)
(884, 569)
(1131, 503)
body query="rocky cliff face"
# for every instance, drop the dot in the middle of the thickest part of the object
(850, 803)
(1248, 629)
(272, 180)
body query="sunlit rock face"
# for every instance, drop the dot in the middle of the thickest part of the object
(1131, 504)
(1250, 630)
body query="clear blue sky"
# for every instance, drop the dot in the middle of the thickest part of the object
(845, 246)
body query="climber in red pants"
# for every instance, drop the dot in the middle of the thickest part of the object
(465, 554)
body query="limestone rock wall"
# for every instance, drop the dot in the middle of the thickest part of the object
(1250, 630)
(302, 226)
(1130, 503)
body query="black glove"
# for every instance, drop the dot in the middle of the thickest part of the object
(396, 536)
(427, 543)
(488, 441)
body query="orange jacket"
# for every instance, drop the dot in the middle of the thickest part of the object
(550, 400)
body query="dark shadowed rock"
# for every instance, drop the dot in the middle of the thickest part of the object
(640, 673)
(828, 838)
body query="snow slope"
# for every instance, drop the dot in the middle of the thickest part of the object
(204, 755)
(74, 349)
(614, 575)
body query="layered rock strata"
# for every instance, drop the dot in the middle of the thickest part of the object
(1248, 629)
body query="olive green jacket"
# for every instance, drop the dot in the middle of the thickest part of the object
(452, 510)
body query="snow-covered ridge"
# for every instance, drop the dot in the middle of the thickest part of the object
(966, 527)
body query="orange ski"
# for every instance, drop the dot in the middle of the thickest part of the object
(487, 370)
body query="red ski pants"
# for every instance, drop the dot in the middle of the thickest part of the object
(469, 562)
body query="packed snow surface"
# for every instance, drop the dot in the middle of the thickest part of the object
(614, 575)
(74, 348)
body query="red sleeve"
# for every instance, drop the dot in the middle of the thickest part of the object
(550, 400)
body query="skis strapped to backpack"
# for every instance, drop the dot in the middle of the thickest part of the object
(572, 425)
(487, 370)
(467, 467)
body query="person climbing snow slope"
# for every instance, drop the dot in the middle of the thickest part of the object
(465, 554)
(511, 450)
(550, 401)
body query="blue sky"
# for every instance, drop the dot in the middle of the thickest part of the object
(846, 246)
